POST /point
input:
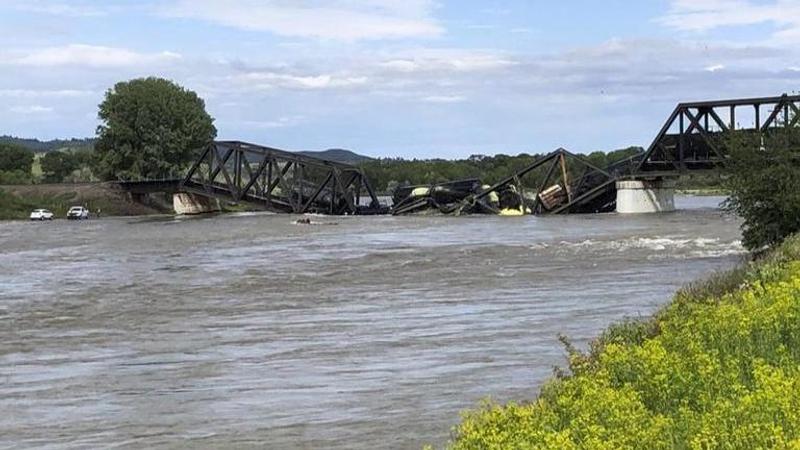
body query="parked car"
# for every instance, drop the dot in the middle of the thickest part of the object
(41, 214)
(78, 213)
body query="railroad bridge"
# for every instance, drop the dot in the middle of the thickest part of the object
(557, 183)
(562, 182)
(276, 180)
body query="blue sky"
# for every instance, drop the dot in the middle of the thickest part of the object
(410, 78)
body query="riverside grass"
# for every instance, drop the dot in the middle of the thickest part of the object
(717, 368)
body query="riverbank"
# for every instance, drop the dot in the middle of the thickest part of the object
(718, 365)
(17, 201)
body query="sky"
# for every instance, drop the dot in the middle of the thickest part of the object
(400, 78)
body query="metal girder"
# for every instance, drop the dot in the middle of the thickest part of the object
(694, 147)
(592, 190)
(279, 180)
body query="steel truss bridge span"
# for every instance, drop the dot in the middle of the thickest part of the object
(279, 180)
(688, 140)
(562, 182)
(557, 183)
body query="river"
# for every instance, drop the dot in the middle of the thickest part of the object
(248, 330)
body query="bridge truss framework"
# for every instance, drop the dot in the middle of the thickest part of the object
(279, 180)
(686, 141)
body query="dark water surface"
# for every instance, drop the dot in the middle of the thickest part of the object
(251, 331)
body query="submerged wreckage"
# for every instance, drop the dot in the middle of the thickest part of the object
(286, 182)
(560, 182)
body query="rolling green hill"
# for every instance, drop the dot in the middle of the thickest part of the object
(338, 155)
(38, 146)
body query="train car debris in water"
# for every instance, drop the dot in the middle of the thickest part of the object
(287, 182)
(442, 197)
(560, 182)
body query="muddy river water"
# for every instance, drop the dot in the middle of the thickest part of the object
(251, 331)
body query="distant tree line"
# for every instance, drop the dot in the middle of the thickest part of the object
(20, 165)
(38, 146)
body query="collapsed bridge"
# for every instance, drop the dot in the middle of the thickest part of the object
(557, 183)
(562, 182)
(280, 181)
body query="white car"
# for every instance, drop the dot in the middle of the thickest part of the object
(41, 214)
(78, 213)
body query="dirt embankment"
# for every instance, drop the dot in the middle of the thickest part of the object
(17, 201)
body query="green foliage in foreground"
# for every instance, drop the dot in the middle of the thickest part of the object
(719, 367)
(763, 176)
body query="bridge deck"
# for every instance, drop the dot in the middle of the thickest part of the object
(562, 182)
(279, 180)
(688, 142)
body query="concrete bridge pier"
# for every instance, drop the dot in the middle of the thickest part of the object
(186, 203)
(645, 196)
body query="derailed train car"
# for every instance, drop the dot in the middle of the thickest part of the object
(560, 182)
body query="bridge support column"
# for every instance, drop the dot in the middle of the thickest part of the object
(185, 203)
(645, 196)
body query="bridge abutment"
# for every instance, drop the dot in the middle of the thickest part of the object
(645, 196)
(186, 203)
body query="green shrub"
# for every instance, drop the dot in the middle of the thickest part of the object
(717, 368)
(762, 176)
(15, 177)
(14, 157)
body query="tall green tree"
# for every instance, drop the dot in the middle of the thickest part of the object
(763, 177)
(15, 158)
(57, 165)
(152, 128)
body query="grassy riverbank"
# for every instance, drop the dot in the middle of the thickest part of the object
(17, 202)
(718, 367)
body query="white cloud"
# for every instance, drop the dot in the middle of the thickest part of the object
(409, 74)
(715, 68)
(693, 15)
(401, 65)
(33, 93)
(88, 55)
(31, 109)
(281, 122)
(444, 99)
(272, 80)
(447, 60)
(75, 8)
(347, 20)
